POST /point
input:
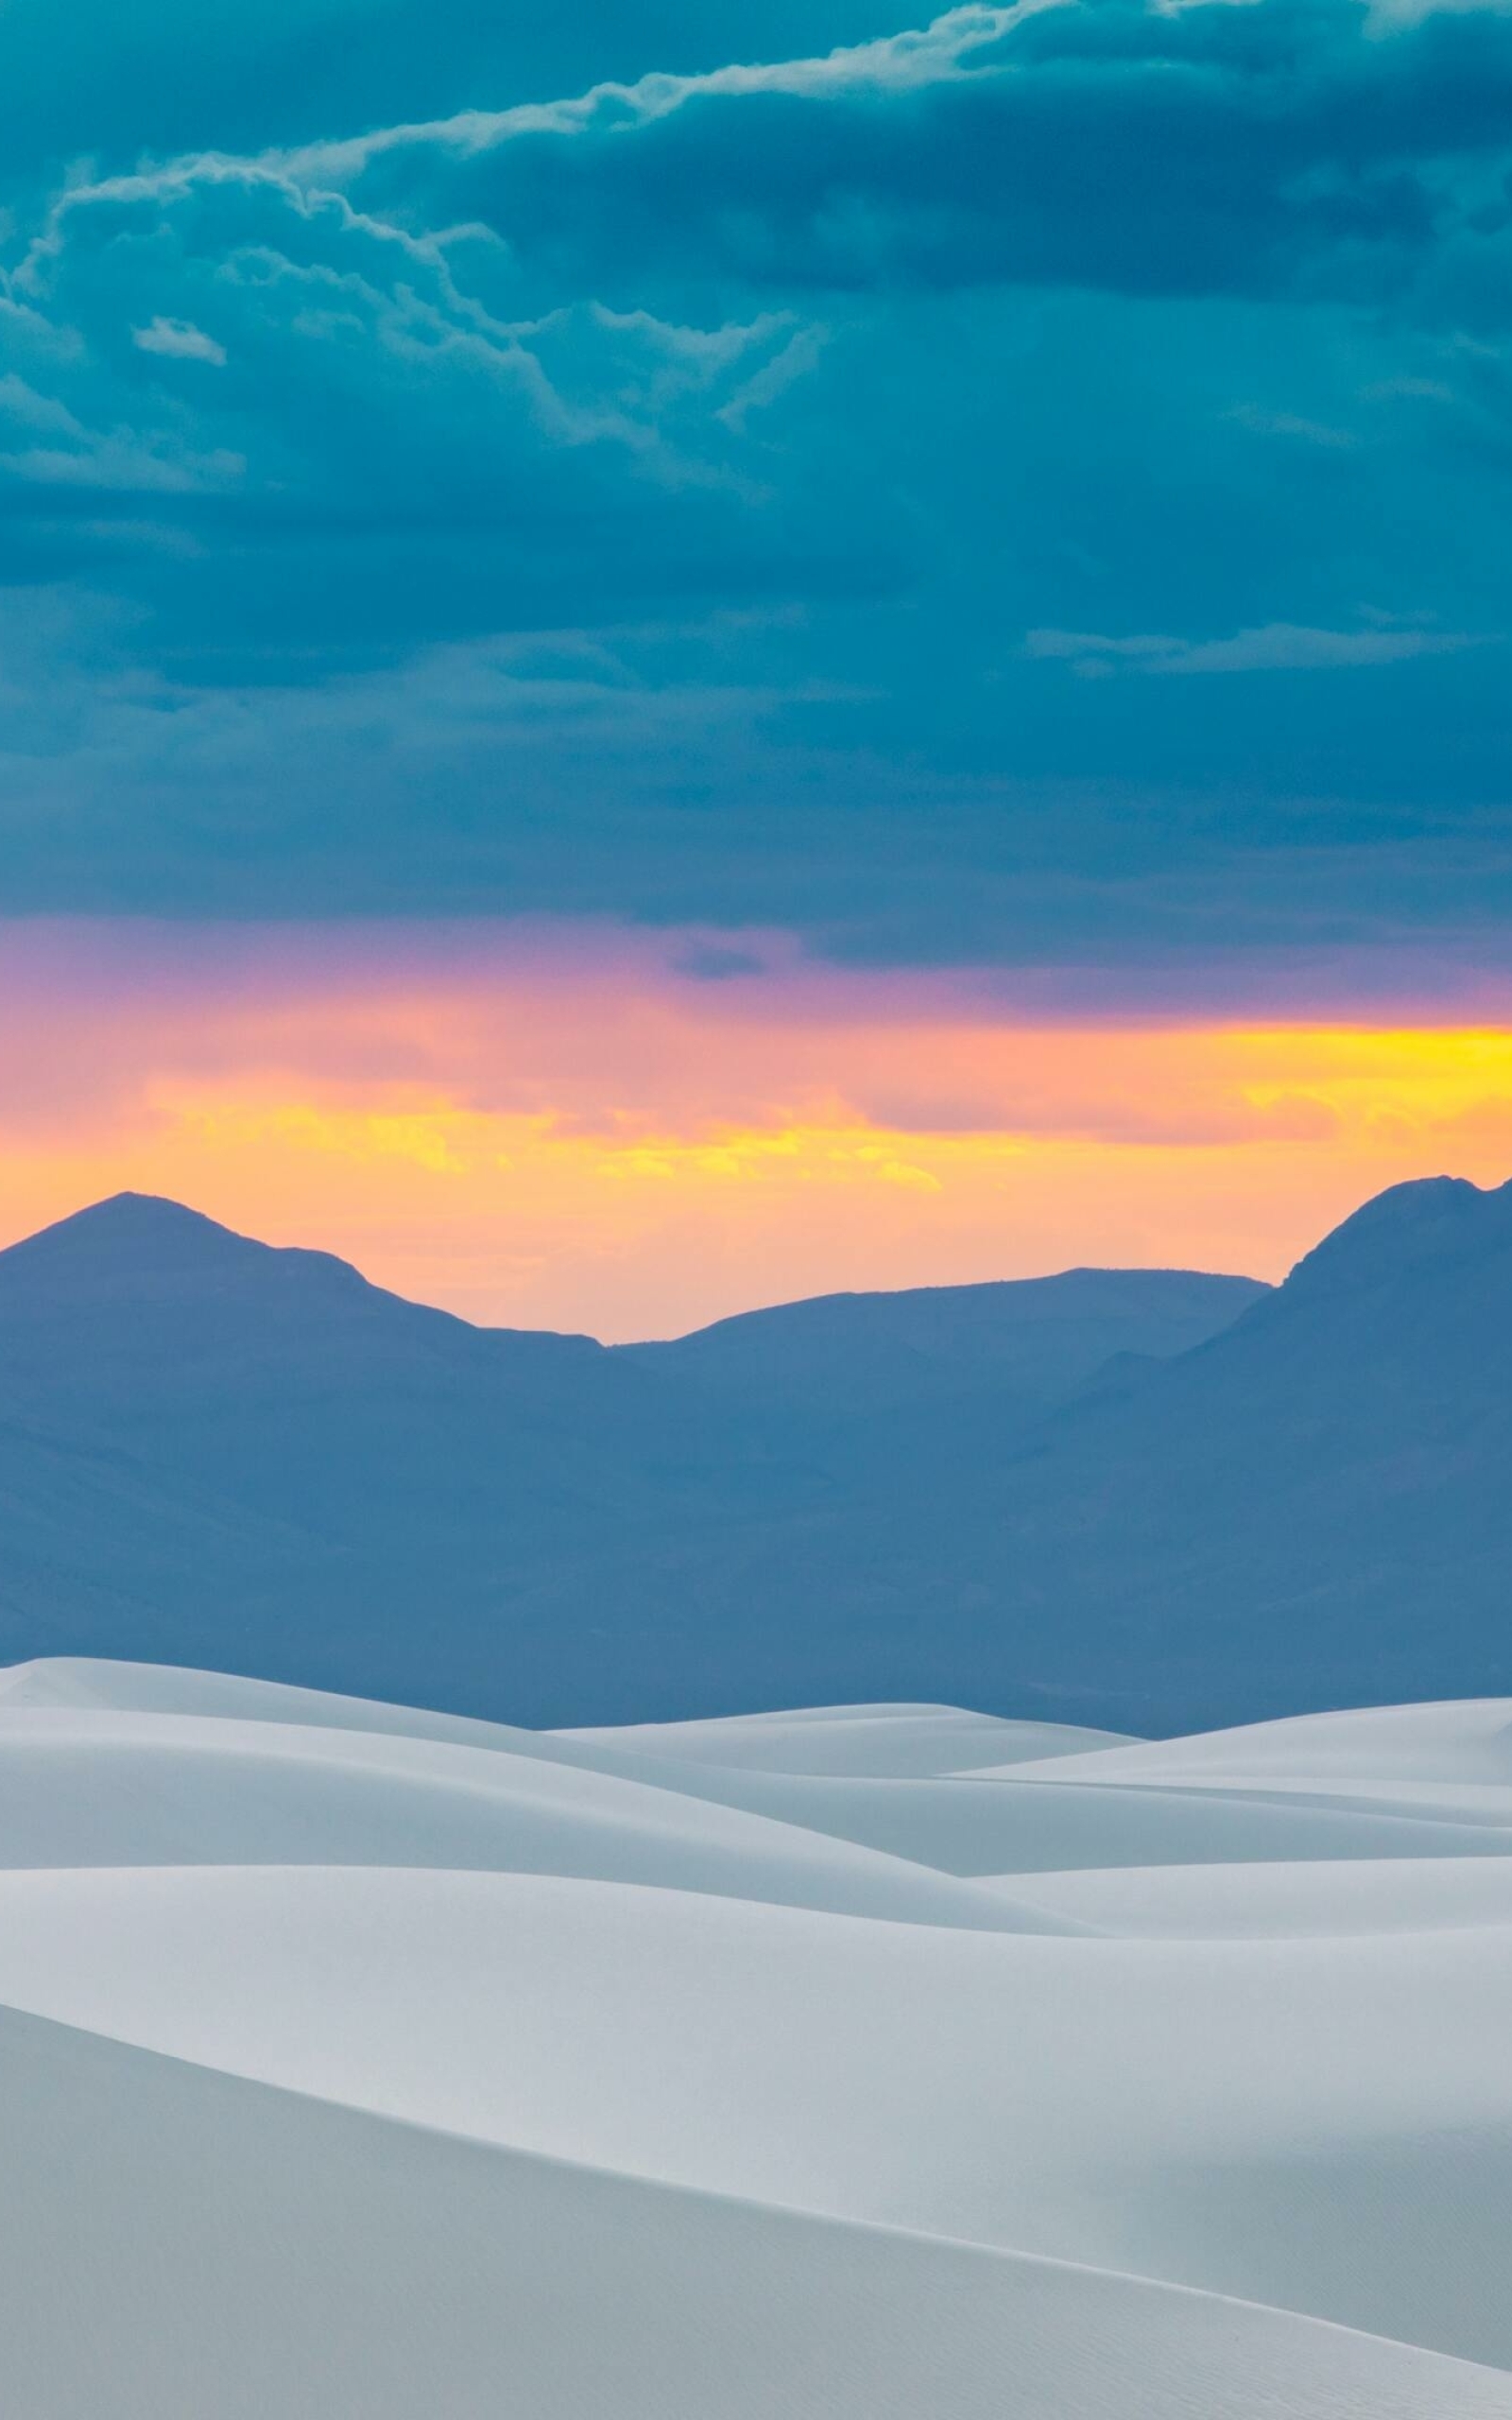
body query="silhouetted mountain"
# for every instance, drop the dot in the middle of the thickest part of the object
(1032, 1341)
(1435, 1229)
(1313, 1507)
(215, 1452)
(138, 1292)
(258, 1446)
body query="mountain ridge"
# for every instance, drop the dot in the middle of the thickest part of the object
(145, 1235)
(1305, 1504)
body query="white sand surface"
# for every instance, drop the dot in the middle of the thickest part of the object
(356, 2062)
(1458, 1739)
(883, 1743)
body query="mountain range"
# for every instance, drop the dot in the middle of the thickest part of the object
(1144, 1499)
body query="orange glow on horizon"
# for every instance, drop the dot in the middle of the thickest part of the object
(573, 1134)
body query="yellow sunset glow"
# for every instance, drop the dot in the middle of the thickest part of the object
(633, 1206)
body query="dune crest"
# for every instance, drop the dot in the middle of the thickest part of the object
(712, 2068)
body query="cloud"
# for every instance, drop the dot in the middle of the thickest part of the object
(1078, 647)
(620, 303)
(628, 493)
(1280, 646)
(717, 963)
(999, 145)
(431, 466)
(1271, 423)
(179, 340)
(903, 62)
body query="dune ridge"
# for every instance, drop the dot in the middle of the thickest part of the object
(852, 2061)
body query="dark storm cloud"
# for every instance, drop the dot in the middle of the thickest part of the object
(765, 492)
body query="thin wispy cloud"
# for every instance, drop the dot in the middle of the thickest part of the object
(1278, 646)
(179, 340)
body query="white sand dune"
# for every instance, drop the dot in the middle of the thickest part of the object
(356, 2062)
(1314, 1896)
(1464, 1740)
(306, 2261)
(881, 1742)
(100, 1788)
(1032, 1822)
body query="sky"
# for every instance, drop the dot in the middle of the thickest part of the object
(654, 658)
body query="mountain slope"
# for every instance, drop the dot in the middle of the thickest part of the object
(1033, 1341)
(1315, 1506)
(284, 1383)
(1327, 1487)
(205, 1440)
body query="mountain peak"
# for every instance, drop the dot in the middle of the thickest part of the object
(141, 1254)
(1439, 1219)
(127, 1236)
(143, 1248)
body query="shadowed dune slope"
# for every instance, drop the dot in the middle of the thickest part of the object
(357, 2060)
